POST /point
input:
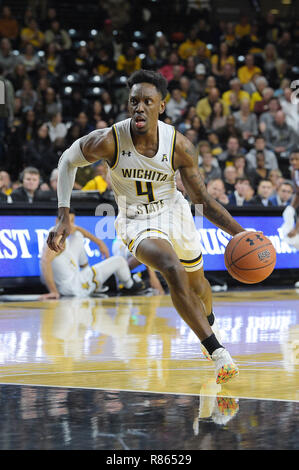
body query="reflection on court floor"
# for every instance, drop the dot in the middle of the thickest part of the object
(142, 347)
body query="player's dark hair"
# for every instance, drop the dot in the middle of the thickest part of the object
(296, 150)
(149, 76)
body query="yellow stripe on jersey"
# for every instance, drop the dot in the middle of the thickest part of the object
(117, 147)
(172, 149)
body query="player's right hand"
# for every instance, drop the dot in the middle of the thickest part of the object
(49, 296)
(58, 235)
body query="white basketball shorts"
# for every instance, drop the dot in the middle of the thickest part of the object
(176, 225)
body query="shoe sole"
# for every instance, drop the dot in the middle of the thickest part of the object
(226, 373)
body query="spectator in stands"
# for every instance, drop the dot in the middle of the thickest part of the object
(189, 68)
(103, 64)
(110, 108)
(285, 47)
(9, 27)
(276, 177)
(53, 60)
(167, 69)
(197, 85)
(261, 171)
(263, 105)
(98, 183)
(5, 183)
(216, 119)
(95, 113)
(270, 157)
(205, 105)
(233, 97)
(84, 124)
(242, 194)
(207, 169)
(229, 178)
(27, 94)
(175, 81)
(152, 60)
(247, 71)
(201, 59)
(6, 108)
(219, 60)
(216, 188)
(51, 15)
(186, 121)
(190, 46)
(30, 180)
(57, 129)
(243, 169)
(176, 106)
(81, 61)
(267, 117)
(18, 76)
(197, 125)
(233, 149)
(284, 194)
(243, 28)
(52, 103)
(28, 128)
(223, 81)
(260, 83)
(291, 109)
(264, 192)
(40, 153)
(30, 60)
(269, 65)
(229, 130)
(59, 36)
(128, 62)
(270, 28)
(246, 121)
(32, 35)
(280, 137)
(216, 147)
(8, 60)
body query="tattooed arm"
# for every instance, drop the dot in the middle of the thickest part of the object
(186, 161)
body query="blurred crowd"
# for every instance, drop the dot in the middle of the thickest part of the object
(230, 92)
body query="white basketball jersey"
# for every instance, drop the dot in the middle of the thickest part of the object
(143, 186)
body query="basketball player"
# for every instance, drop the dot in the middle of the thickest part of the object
(68, 273)
(154, 220)
(290, 231)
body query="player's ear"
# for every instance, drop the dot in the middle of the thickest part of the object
(162, 106)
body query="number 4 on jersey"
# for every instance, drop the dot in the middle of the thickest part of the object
(149, 192)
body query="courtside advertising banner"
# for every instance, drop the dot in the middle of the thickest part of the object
(22, 239)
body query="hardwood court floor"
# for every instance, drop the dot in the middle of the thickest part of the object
(122, 367)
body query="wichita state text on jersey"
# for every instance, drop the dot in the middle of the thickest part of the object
(148, 184)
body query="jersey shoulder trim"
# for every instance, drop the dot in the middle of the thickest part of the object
(116, 155)
(173, 149)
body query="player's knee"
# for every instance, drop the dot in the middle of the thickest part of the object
(173, 271)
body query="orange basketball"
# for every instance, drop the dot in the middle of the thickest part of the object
(250, 257)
